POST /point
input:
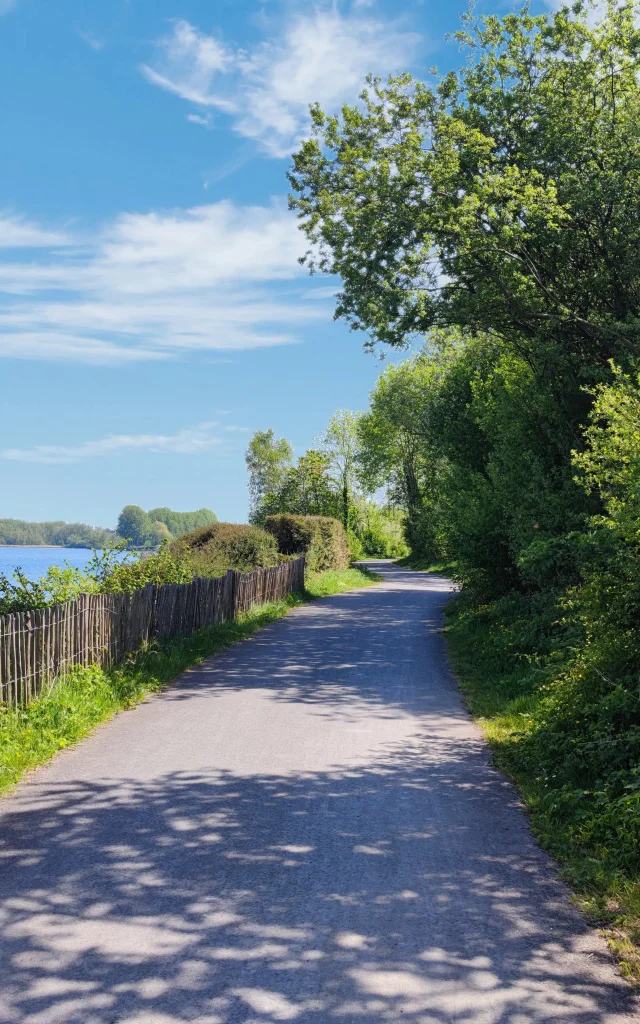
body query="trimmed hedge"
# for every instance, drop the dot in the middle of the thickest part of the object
(321, 539)
(211, 550)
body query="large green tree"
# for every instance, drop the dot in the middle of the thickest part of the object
(179, 523)
(268, 459)
(340, 444)
(504, 199)
(134, 525)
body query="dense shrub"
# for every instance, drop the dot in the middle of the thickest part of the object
(212, 549)
(321, 539)
(382, 533)
(134, 573)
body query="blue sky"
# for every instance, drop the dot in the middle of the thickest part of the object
(152, 310)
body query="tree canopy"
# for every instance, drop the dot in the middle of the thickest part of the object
(158, 524)
(268, 458)
(505, 199)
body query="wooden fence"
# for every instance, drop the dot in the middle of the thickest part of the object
(101, 629)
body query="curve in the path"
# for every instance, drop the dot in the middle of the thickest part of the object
(306, 828)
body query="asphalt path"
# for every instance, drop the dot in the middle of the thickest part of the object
(305, 828)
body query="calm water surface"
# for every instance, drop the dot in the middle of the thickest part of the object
(34, 562)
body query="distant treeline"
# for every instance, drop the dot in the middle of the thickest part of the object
(149, 529)
(68, 535)
(144, 529)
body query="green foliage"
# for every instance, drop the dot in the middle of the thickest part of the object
(158, 533)
(133, 525)
(268, 460)
(305, 489)
(126, 576)
(208, 551)
(69, 535)
(178, 523)
(328, 482)
(381, 533)
(478, 203)
(58, 585)
(479, 458)
(321, 539)
(213, 549)
(340, 445)
(150, 529)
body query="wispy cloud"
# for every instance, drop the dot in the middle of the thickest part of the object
(190, 441)
(19, 233)
(186, 62)
(321, 56)
(90, 39)
(149, 286)
(6, 6)
(204, 120)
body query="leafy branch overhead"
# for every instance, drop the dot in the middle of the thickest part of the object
(504, 198)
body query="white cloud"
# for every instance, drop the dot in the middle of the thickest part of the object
(150, 286)
(190, 441)
(90, 39)
(205, 121)
(322, 56)
(186, 61)
(6, 6)
(19, 233)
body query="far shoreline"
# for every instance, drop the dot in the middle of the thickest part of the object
(56, 547)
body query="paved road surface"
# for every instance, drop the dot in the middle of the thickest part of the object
(304, 829)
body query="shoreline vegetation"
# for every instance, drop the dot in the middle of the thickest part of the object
(80, 701)
(142, 529)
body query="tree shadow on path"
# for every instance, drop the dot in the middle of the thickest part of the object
(398, 885)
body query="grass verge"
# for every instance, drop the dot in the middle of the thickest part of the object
(78, 702)
(520, 665)
(425, 565)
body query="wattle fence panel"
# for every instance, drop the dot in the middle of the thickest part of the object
(102, 629)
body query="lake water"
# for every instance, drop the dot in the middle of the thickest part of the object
(34, 562)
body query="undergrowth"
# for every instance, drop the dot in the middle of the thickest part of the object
(29, 736)
(423, 564)
(542, 690)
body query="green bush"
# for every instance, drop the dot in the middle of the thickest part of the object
(59, 584)
(355, 545)
(212, 549)
(382, 534)
(321, 539)
(133, 574)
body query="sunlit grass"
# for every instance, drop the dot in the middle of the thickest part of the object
(336, 581)
(427, 565)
